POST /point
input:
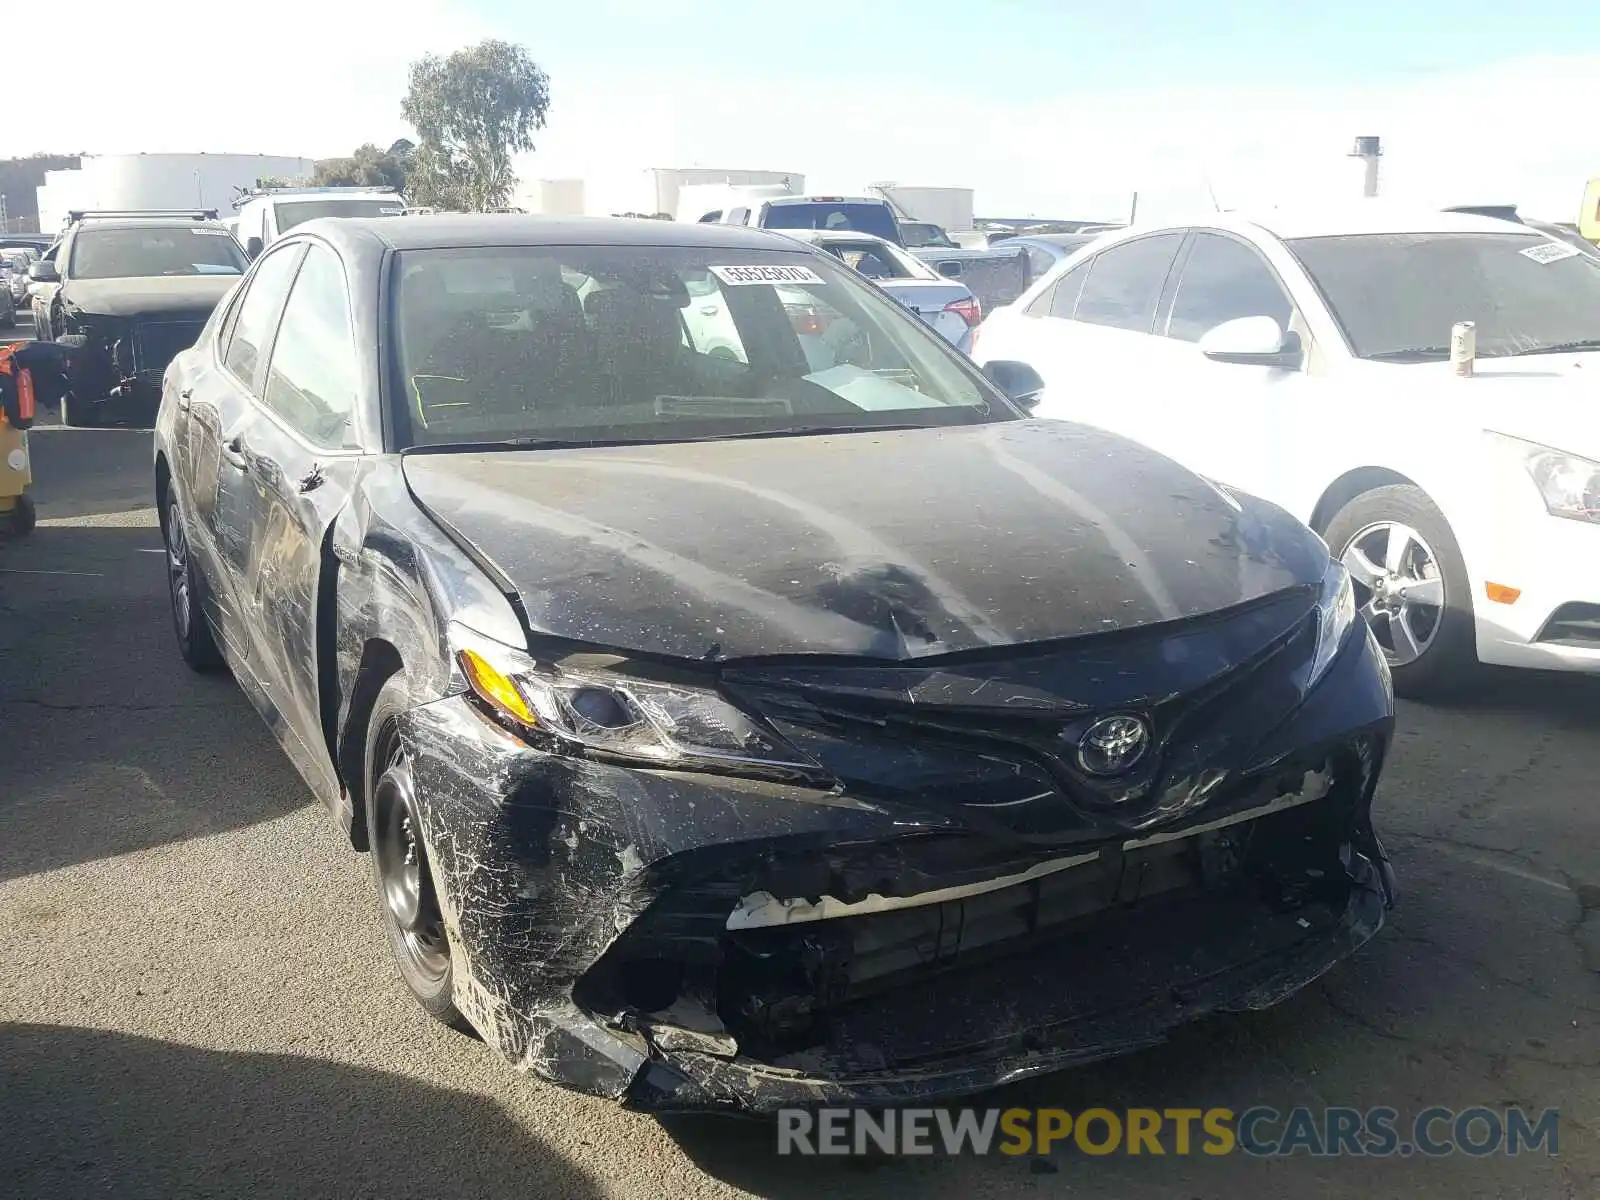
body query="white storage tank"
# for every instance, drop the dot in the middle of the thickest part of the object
(557, 198)
(123, 181)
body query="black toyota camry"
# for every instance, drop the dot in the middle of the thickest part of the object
(741, 701)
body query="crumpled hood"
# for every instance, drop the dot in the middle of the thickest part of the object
(894, 545)
(162, 295)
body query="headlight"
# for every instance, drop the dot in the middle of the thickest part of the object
(1336, 613)
(1568, 484)
(678, 726)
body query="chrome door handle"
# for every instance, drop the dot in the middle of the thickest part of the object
(708, 310)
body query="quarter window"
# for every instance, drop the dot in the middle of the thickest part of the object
(1125, 283)
(1223, 280)
(311, 380)
(1061, 298)
(258, 312)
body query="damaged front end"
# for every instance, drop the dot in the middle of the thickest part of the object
(121, 360)
(934, 892)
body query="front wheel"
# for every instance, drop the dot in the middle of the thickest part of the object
(1411, 584)
(408, 900)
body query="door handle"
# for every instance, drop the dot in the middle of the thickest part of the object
(708, 310)
(184, 397)
(233, 454)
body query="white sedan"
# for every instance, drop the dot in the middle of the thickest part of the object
(1306, 358)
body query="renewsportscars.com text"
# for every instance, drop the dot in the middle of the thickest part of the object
(1260, 1132)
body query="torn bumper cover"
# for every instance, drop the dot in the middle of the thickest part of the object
(690, 942)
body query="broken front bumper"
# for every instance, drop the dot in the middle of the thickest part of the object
(700, 943)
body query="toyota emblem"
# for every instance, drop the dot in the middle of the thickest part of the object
(1112, 745)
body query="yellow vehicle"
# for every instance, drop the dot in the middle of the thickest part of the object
(31, 373)
(1589, 214)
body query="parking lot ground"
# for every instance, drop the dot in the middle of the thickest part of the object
(198, 999)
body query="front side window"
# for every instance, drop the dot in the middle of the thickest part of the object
(157, 250)
(1125, 282)
(661, 344)
(311, 380)
(1223, 280)
(1396, 296)
(257, 312)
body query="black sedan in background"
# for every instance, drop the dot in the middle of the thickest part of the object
(737, 730)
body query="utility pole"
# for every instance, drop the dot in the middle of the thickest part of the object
(1369, 150)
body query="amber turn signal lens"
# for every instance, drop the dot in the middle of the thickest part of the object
(1501, 594)
(495, 688)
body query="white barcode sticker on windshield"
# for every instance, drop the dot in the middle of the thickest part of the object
(209, 232)
(1549, 252)
(736, 276)
(390, 212)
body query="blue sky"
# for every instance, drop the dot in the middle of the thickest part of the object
(1043, 107)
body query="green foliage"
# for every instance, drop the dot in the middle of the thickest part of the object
(367, 167)
(472, 112)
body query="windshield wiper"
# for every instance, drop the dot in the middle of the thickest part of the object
(533, 443)
(802, 431)
(1558, 348)
(1411, 354)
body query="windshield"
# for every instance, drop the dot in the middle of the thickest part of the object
(586, 343)
(155, 250)
(1397, 295)
(861, 216)
(292, 213)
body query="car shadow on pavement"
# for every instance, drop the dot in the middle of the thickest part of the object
(111, 743)
(90, 1112)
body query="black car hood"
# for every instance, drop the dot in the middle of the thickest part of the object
(161, 295)
(893, 545)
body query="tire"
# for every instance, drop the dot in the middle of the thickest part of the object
(422, 950)
(1446, 644)
(75, 413)
(186, 592)
(24, 516)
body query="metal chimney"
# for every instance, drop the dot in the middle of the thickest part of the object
(1369, 150)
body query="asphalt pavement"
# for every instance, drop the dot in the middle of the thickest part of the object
(198, 999)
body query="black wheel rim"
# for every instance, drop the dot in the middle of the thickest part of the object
(178, 571)
(404, 878)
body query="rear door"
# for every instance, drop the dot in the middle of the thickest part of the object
(301, 457)
(221, 410)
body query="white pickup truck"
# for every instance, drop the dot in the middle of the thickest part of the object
(266, 214)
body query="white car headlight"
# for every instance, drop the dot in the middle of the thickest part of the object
(1569, 484)
(1336, 613)
(677, 726)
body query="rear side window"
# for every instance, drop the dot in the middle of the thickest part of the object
(1125, 283)
(1223, 280)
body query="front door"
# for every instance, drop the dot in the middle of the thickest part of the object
(1219, 418)
(301, 462)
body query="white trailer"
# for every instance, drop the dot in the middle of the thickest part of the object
(135, 181)
(950, 208)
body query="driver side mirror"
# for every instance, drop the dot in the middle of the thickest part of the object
(950, 269)
(1022, 385)
(1253, 341)
(44, 272)
(252, 248)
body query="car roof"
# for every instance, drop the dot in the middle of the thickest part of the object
(145, 223)
(468, 230)
(1361, 217)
